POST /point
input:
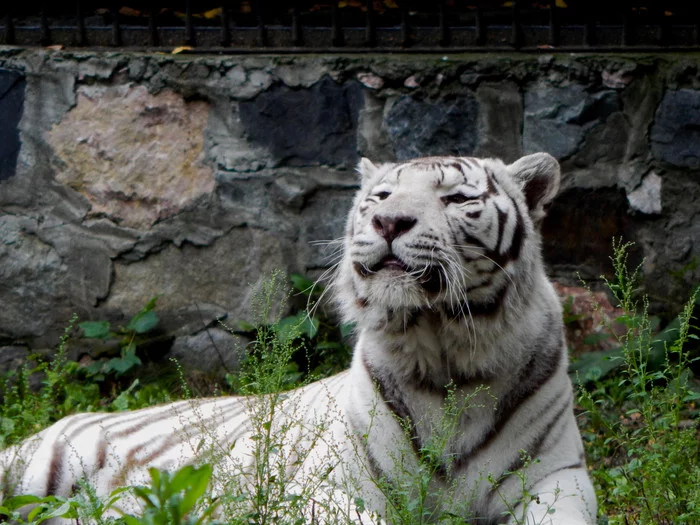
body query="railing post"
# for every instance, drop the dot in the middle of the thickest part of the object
(589, 27)
(225, 29)
(370, 28)
(297, 31)
(153, 37)
(628, 25)
(337, 37)
(81, 39)
(116, 29)
(260, 15)
(405, 26)
(517, 32)
(190, 39)
(553, 24)
(9, 27)
(45, 38)
(444, 27)
(479, 27)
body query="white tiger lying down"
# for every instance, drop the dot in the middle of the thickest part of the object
(443, 275)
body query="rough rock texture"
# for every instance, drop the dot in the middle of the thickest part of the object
(136, 157)
(421, 128)
(11, 103)
(306, 127)
(125, 176)
(675, 134)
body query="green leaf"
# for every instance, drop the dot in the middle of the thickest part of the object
(143, 321)
(346, 329)
(305, 285)
(128, 360)
(20, 501)
(95, 329)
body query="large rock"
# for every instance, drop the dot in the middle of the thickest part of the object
(558, 118)
(213, 351)
(675, 134)
(11, 103)
(224, 274)
(136, 157)
(302, 127)
(420, 128)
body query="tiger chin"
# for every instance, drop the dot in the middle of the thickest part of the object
(442, 275)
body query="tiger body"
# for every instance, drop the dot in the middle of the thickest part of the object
(442, 274)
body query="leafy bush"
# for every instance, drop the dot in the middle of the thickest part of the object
(640, 425)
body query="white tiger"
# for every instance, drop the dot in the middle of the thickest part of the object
(443, 276)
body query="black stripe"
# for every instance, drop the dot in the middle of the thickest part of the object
(390, 392)
(53, 479)
(533, 451)
(545, 360)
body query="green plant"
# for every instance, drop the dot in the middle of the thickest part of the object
(177, 498)
(317, 343)
(128, 338)
(639, 426)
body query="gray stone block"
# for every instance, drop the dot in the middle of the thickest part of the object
(420, 128)
(303, 127)
(675, 134)
(11, 103)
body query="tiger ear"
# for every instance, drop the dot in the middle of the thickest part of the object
(366, 168)
(538, 176)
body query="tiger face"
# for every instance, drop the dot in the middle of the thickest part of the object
(446, 231)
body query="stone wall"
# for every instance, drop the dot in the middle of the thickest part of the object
(124, 176)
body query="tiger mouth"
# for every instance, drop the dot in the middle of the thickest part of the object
(390, 262)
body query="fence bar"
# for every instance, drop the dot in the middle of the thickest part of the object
(116, 30)
(190, 39)
(628, 25)
(297, 31)
(81, 37)
(370, 27)
(479, 27)
(337, 37)
(664, 29)
(553, 24)
(517, 32)
(45, 39)
(589, 32)
(153, 37)
(444, 28)
(9, 27)
(405, 27)
(260, 15)
(225, 29)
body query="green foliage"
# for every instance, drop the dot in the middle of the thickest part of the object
(31, 398)
(177, 498)
(640, 428)
(315, 341)
(128, 337)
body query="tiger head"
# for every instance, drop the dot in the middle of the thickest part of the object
(448, 234)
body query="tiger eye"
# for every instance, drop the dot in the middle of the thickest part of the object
(456, 198)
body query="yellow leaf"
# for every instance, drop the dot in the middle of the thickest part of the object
(561, 3)
(212, 13)
(391, 4)
(507, 4)
(668, 13)
(129, 11)
(180, 49)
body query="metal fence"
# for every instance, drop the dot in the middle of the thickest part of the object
(356, 26)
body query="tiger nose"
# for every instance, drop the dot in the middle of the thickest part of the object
(392, 227)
